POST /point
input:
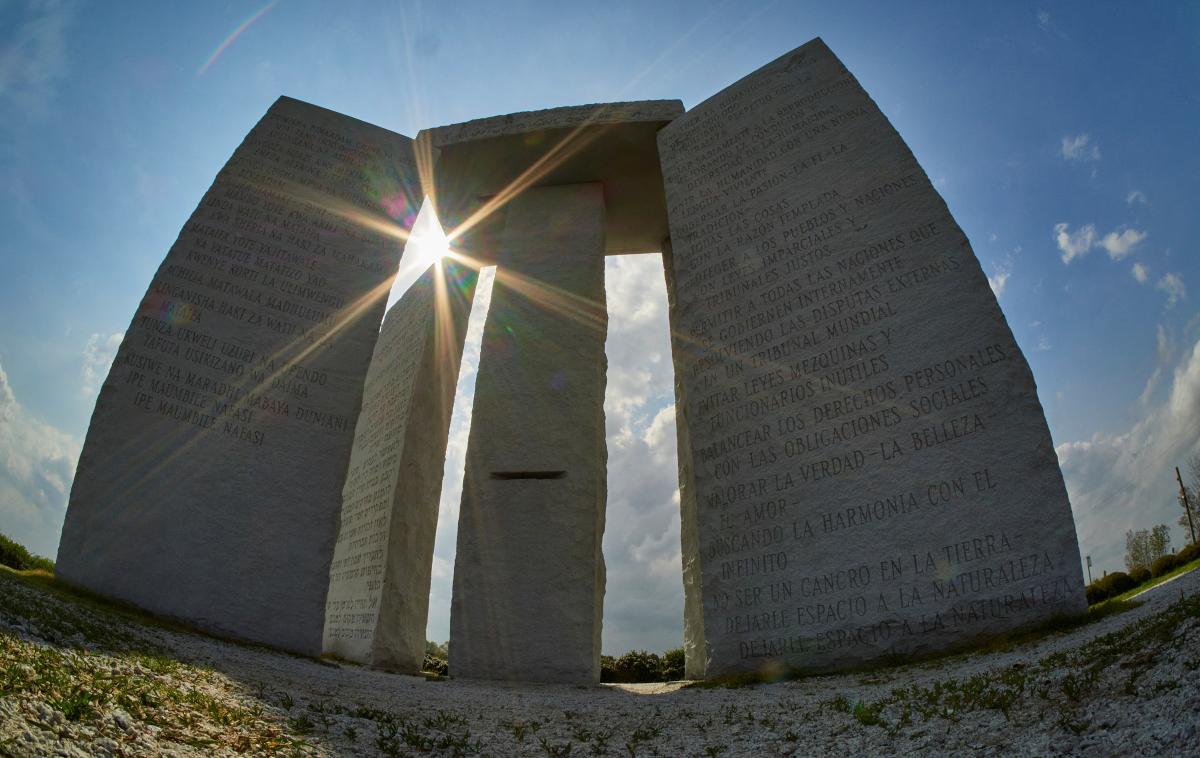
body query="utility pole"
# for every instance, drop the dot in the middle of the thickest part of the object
(1187, 507)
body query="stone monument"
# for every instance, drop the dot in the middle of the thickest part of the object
(574, 183)
(378, 600)
(210, 480)
(866, 471)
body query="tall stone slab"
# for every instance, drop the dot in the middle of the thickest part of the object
(529, 572)
(378, 601)
(210, 480)
(869, 467)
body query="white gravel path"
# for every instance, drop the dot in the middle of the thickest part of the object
(1123, 685)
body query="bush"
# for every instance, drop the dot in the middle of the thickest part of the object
(638, 666)
(1188, 554)
(608, 668)
(14, 555)
(1164, 565)
(642, 666)
(436, 658)
(1094, 593)
(434, 665)
(1141, 574)
(1116, 583)
(672, 665)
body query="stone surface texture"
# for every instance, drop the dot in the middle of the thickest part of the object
(568, 117)
(529, 573)
(870, 474)
(210, 480)
(482, 164)
(689, 535)
(378, 600)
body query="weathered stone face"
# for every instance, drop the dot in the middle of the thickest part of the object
(378, 600)
(529, 573)
(209, 483)
(493, 159)
(866, 470)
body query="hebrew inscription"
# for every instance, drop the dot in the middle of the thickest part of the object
(211, 475)
(871, 470)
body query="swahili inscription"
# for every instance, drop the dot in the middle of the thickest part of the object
(871, 470)
(210, 478)
(378, 600)
(359, 556)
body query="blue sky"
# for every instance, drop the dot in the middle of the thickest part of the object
(1062, 135)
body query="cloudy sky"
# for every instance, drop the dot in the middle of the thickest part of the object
(1062, 135)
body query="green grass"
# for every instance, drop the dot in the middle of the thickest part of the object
(15, 555)
(84, 686)
(995, 643)
(99, 660)
(1185, 568)
(1131, 649)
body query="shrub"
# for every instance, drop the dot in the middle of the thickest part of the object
(434, 665)
(1140, 575)
(14, 555)
(1188, 554)
(1095, 593)
(1164, 565)
(436, 658)
(608, 668)
(642, 666)
(672, 665)
(1116, 583)
(638, 666)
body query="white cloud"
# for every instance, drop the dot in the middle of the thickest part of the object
(643, 605)
(1172, 284)
(442, 582)
(37, 464)
(1140, 272)
(98, 356)
(999, 280)
(1080, 148)
(1120, 243)
(33, 56)
(1043, 19)
(1003, 271)
(1076, 244)
(1125, 480)
(1042, 345)
(1164, 353)
(1136, 196)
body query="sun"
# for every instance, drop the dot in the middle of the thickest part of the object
(427, 242)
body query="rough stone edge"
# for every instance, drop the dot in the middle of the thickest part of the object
(286, 105)
(664, 135)
(565, 117)
(695, 649)
(419, 484)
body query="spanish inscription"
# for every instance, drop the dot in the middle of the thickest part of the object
(872, 471)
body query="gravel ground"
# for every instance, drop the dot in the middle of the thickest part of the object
(81, 679)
